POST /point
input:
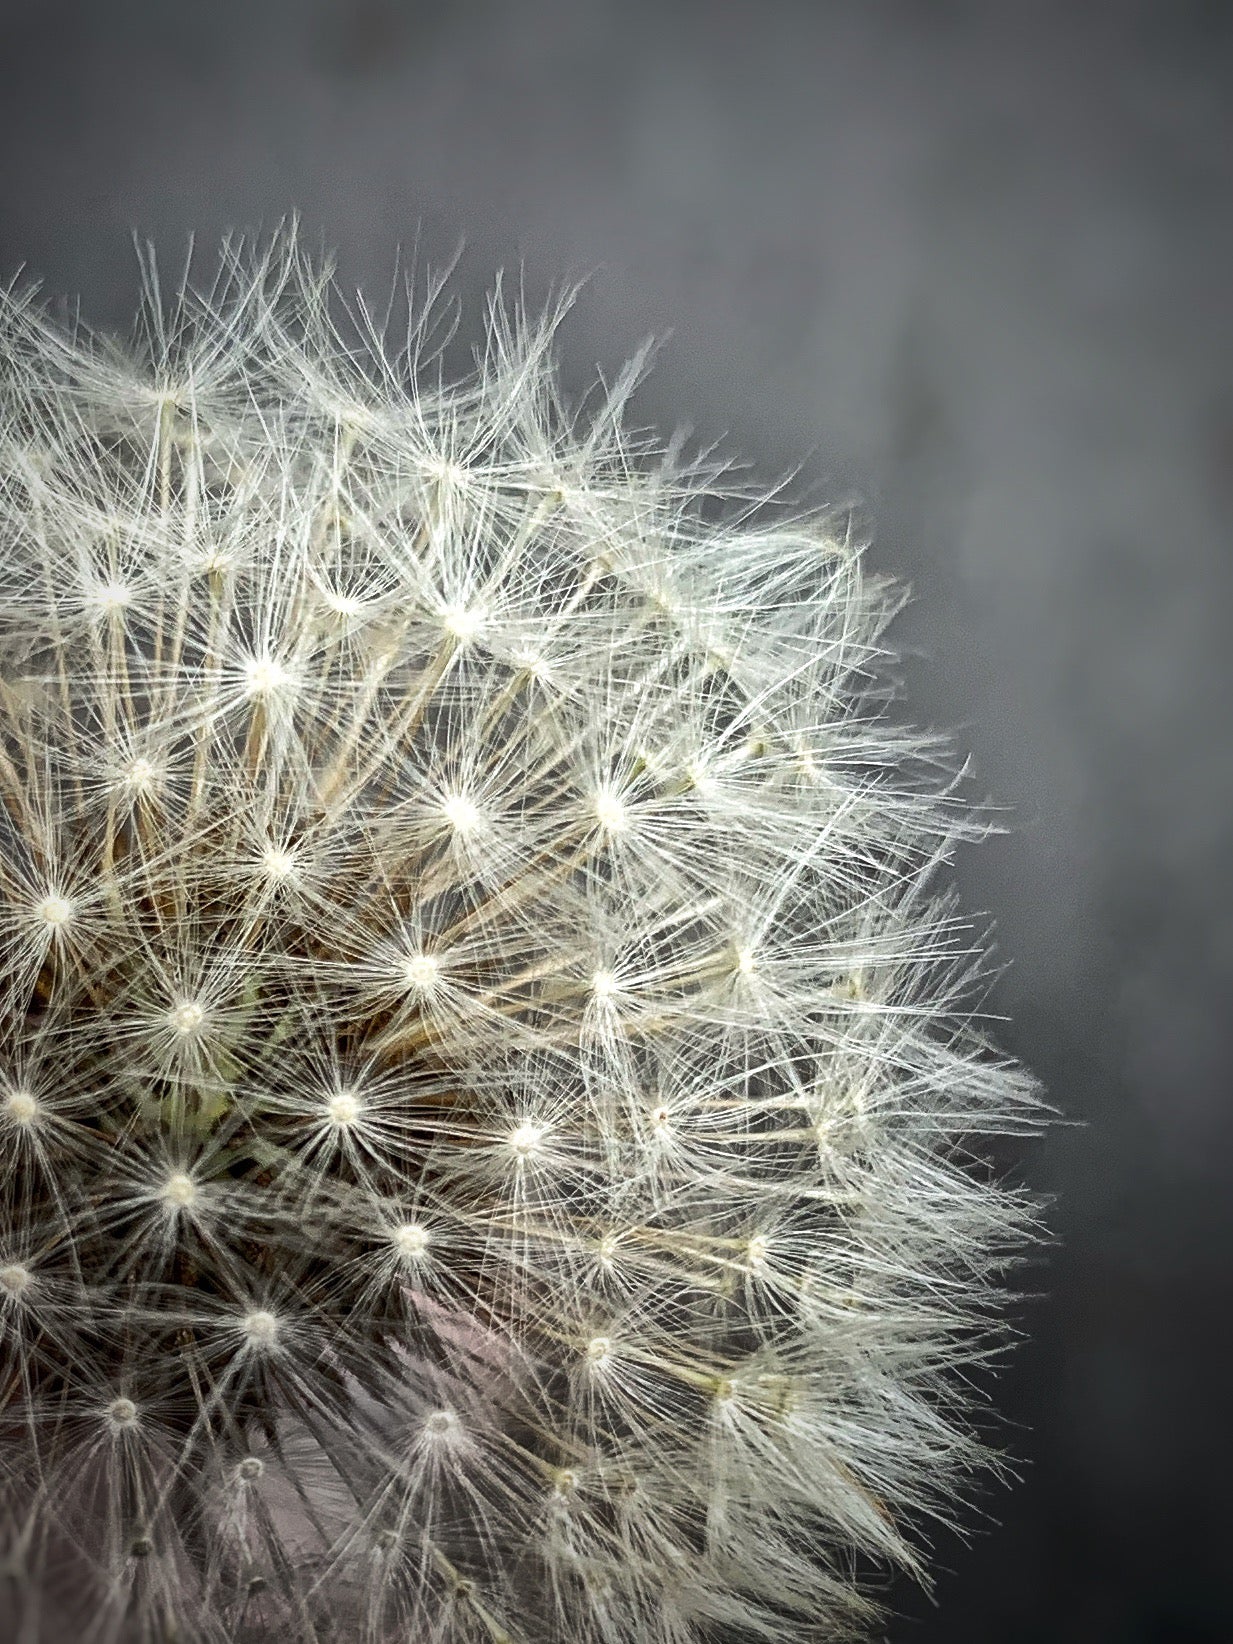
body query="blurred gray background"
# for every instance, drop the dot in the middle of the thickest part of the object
(974, 262)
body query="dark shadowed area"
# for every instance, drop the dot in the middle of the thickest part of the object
(973, 262)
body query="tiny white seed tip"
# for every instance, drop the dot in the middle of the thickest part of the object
(445, 471)
(21, 1106)
(344, 605)
(343, 1109)
(422, 972)
(411, 1239)
(179, 1191)
(55, 911)
(277, 863)
(461, 813)
(113, 597)
(531, 662)
(610, 813)
(263, 676)
(138, 778)
(261, 1328)
(15, 1278)
(186, 1018)
(461, 623)
(525, 1139)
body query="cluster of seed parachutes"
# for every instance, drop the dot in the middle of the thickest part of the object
(485, 1081)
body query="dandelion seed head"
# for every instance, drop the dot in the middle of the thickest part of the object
(343, 605)
(700, 778)
(446, 472)
(532, 662)
(278, 864)
(113, 597)
(604, 1096)
(217, 562)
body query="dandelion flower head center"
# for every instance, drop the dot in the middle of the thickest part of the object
(277, 863)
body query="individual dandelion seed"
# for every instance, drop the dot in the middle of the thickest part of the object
(491, 1093)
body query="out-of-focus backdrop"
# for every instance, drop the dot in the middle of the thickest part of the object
(975, 262)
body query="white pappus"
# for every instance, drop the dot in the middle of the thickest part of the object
(489, 1090)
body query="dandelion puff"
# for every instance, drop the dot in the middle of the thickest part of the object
(490, 1087)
